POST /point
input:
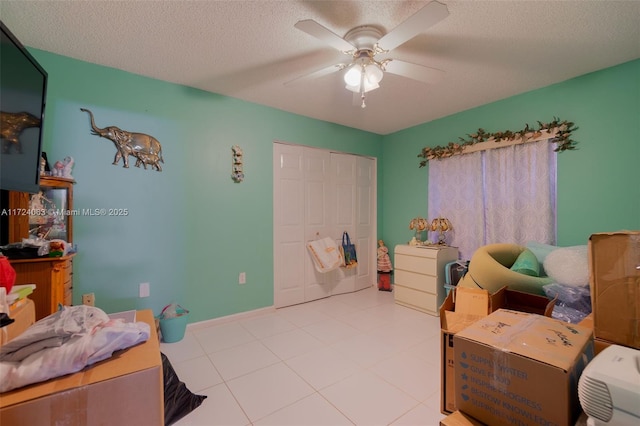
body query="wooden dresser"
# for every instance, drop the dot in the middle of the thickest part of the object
(419, 276)
(53, 277)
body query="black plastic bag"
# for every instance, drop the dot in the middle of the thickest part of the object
(178, 400)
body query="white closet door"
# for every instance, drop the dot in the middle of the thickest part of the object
(344, 213)
(317, 193)
(317, 180)
(288, 231)
(365, 222)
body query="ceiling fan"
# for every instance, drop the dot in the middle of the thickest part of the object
(364, 72)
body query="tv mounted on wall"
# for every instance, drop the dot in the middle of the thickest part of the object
(23, 89)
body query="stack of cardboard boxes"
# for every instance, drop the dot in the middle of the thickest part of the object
(465, 306)
(506, 362)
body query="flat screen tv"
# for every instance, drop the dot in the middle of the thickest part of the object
(23, 89)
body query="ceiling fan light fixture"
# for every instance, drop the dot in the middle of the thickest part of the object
(363, 78)
(366, 87)
(364, 42)
(369, 86)
(373, 73)
(353, 76)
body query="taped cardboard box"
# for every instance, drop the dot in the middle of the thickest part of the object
(519, 368)
(124, 389)
(614, 263)
(458, 418)
(463, 307)
(598, 344)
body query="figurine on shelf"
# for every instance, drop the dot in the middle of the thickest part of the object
(44, 165)
(384, 267)
(63, 168)
(37, 202)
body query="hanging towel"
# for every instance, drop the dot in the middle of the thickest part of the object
(325, 254)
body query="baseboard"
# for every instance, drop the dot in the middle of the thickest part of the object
(233, 317)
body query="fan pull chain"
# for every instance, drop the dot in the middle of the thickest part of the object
(362, 92)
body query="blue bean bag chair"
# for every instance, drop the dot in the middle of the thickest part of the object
(497, 265)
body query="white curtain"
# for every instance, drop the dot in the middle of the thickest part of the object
(454, 186)
(503, 195)
(520, 194)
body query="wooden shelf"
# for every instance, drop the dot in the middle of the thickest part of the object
(53, 276)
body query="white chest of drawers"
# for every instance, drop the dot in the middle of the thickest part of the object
(419, 276)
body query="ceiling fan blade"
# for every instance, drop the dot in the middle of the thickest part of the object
(426, 17)
(316, 74)
(316, 30)
(415, 72)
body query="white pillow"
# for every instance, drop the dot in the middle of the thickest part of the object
(568, 266)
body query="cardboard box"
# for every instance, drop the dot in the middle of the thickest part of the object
(598, 344)
(124, 389)
(614, 262)
(463, 307)
(519, 368)
(458, 418)
(24, 315)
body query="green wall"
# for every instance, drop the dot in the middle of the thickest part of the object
(190, 230)
(598, 184)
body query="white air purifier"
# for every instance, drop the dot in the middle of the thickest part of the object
(609, 388)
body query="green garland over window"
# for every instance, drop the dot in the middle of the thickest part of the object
(561, 128)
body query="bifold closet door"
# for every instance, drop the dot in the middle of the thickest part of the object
(288, 231)
(317, 182)
(354, 211)
(365, 221)
(301, 185)
(318, 193)
(343, 213)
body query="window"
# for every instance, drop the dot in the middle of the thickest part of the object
(502, 195)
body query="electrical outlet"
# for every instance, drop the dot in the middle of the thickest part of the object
(242, 278)
(144, 290)
(89, 299)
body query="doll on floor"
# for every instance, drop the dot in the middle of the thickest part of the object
(384, 267)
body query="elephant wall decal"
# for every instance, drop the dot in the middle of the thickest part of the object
(145, 148)
(12, 124)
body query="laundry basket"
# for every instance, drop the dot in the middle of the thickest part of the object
(173, 323)
(454, 271)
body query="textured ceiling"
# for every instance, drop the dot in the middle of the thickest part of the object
(249, 49)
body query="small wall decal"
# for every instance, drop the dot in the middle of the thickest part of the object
(237, 172)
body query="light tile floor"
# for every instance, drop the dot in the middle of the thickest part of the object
(352, 359)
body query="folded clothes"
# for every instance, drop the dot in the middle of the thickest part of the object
(53, 330)
(78, 336)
